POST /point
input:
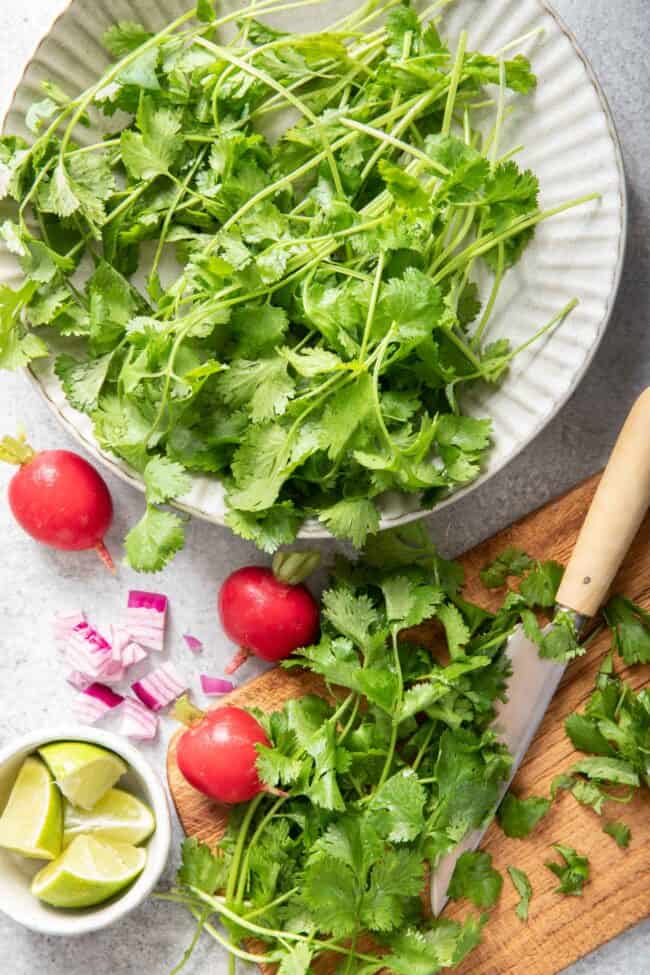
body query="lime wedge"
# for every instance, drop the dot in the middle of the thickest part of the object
(89, 872)
(84, 773)
(31, 823)
(119, 817)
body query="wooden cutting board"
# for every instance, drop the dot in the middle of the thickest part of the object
(560, 929)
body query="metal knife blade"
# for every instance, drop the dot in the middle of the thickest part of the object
(533, 683)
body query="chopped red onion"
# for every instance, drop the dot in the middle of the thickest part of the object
(95, 701)
(103, 693)
(78, 680)
(216, 685)
(124, 650)
(87, 651)
(136, 721)
(145, 618)
(160, 687)
(193, 643)
(64, 624)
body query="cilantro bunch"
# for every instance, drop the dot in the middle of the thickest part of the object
(375, 784)
(296, 315)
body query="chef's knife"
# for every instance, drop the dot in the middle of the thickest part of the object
(615, 515)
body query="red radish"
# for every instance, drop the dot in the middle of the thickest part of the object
(266, 612)
(58, 498)
(217, 755)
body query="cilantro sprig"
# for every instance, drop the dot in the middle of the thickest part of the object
(296, 317)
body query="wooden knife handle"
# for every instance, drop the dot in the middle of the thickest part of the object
(615, 515)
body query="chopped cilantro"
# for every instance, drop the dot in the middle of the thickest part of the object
(519, 817)
(476, 879)
(573, 873)
(522, 885)
(618, 831)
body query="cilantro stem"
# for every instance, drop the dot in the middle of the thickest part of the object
(494, 148)
(396, 709)
(297, 103)
(496, 285)
(372, 305)
(423, 748)
(180, 193)
(490, 241)
(453, 83)
(270, 933)
(239, 847)
(243, 874)
(189, 951)
(282, 899)
(391, 140)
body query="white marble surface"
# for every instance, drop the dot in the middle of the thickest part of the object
(35, 582)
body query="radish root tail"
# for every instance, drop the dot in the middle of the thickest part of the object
(240, 658)
(106, 557)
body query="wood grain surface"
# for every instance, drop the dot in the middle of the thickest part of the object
(560, 929)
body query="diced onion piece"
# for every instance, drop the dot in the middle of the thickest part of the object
(88, 710)
(95, 701)
(103, 693)
(120, 638)
(216, 685)
(193, 643)
(87, 651)
(64, 624)
(160, 687)
(136, 721)
(78, 680)
(124, 649)
(146, 615)
(134, 654)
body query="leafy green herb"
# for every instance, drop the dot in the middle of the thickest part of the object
(519, 817)
(310, 322)
(522, 885)
(618, 831)
(510, 562)
(476, 879)
(573, 873)
(630, 625)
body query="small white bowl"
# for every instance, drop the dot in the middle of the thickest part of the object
(16, 872)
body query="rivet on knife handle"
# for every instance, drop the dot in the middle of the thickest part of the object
(615, 515)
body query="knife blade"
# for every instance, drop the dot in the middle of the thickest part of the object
(533, 683)
(615, 515)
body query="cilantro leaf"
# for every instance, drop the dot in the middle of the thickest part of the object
(153, 150)
(353, 518)
(605, 769)
(264, 387)
(573, 873)
(586, 736)
(123, 38)
(519, 817)
(154, 541)
(395, 880)
(475, 878)
(83, 381)
(331, 891)
(456, 630)
(295, 960)
(630, 625)
(202, 868)
(511, 562)
(522, 885)
(165, 479)
(540, 586)
(397, 807)
(618, 831)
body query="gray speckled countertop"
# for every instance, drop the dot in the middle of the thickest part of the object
(35, 582)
